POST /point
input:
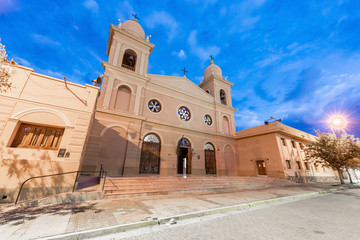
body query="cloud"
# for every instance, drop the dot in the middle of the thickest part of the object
(51, 73)
(245, 16)
(163, 19)
(7, 6)
(43, 40)
(22, 61)
(246, 118)
(306, 84)
(124, 10)
(181, 54)
(223, 11)
(95, 56)
(267, 61)
(202, 52)
(91, 5)
(262, 93)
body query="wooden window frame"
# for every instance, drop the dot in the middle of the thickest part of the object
(298, 164)
(26, 138)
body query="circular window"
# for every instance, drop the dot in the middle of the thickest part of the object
(154, 106)
(207, 120)
(184, 113)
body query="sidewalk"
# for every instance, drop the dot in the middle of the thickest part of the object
(30, 222)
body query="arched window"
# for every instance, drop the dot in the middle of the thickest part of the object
(123, 97)
(150, 155)
(129, 60)
(222, 96)
(209, 146)
(151, 138)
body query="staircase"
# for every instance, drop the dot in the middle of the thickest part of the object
(121, 187)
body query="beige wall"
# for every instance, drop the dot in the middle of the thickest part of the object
(135, 128)
(265, 143)
(42, 100)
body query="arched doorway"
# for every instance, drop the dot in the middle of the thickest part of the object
(230, 166)
(112, 151)
(210, 161)
(183, 151)
(150, 155)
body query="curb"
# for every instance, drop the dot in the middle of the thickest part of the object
(154, 221)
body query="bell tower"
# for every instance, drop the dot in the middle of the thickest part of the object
(127, 48)
(220, 88)
(125, 71)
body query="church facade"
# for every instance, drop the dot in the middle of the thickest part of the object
(148, 124)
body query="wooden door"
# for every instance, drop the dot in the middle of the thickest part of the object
(150, 158)
(261, 167)
(210, 162)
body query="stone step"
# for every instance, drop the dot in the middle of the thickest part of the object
(151, 185)
(177, 188)
(183, 184)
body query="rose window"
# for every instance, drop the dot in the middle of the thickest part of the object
(154, 106)
(207, 120)
(184, 113)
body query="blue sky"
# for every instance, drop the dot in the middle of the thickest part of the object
(295, 60)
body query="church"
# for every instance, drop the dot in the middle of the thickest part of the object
(138, 124)
(147, 124)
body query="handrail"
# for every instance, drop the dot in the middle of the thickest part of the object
(111, 182)
(101, 175)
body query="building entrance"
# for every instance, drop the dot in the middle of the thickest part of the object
(210, 162)
(150, 155)
(184, 151)
(261, 167)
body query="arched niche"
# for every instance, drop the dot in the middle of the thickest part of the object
(230, 166)
(123, 98)
(226, 125)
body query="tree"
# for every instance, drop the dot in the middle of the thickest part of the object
(335, 152)
(6, 69)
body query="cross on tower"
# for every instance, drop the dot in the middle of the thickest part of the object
(184, 71)
(135, 16)
(211, 57)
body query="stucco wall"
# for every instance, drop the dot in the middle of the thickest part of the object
(42, 100)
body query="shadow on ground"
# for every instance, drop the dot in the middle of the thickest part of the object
(19, 215)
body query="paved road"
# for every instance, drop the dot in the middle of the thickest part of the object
(331, 216)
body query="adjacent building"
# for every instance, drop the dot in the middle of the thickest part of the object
(44, 123)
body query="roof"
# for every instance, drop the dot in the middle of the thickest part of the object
(274, 127)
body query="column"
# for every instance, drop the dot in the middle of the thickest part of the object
(108, 92)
